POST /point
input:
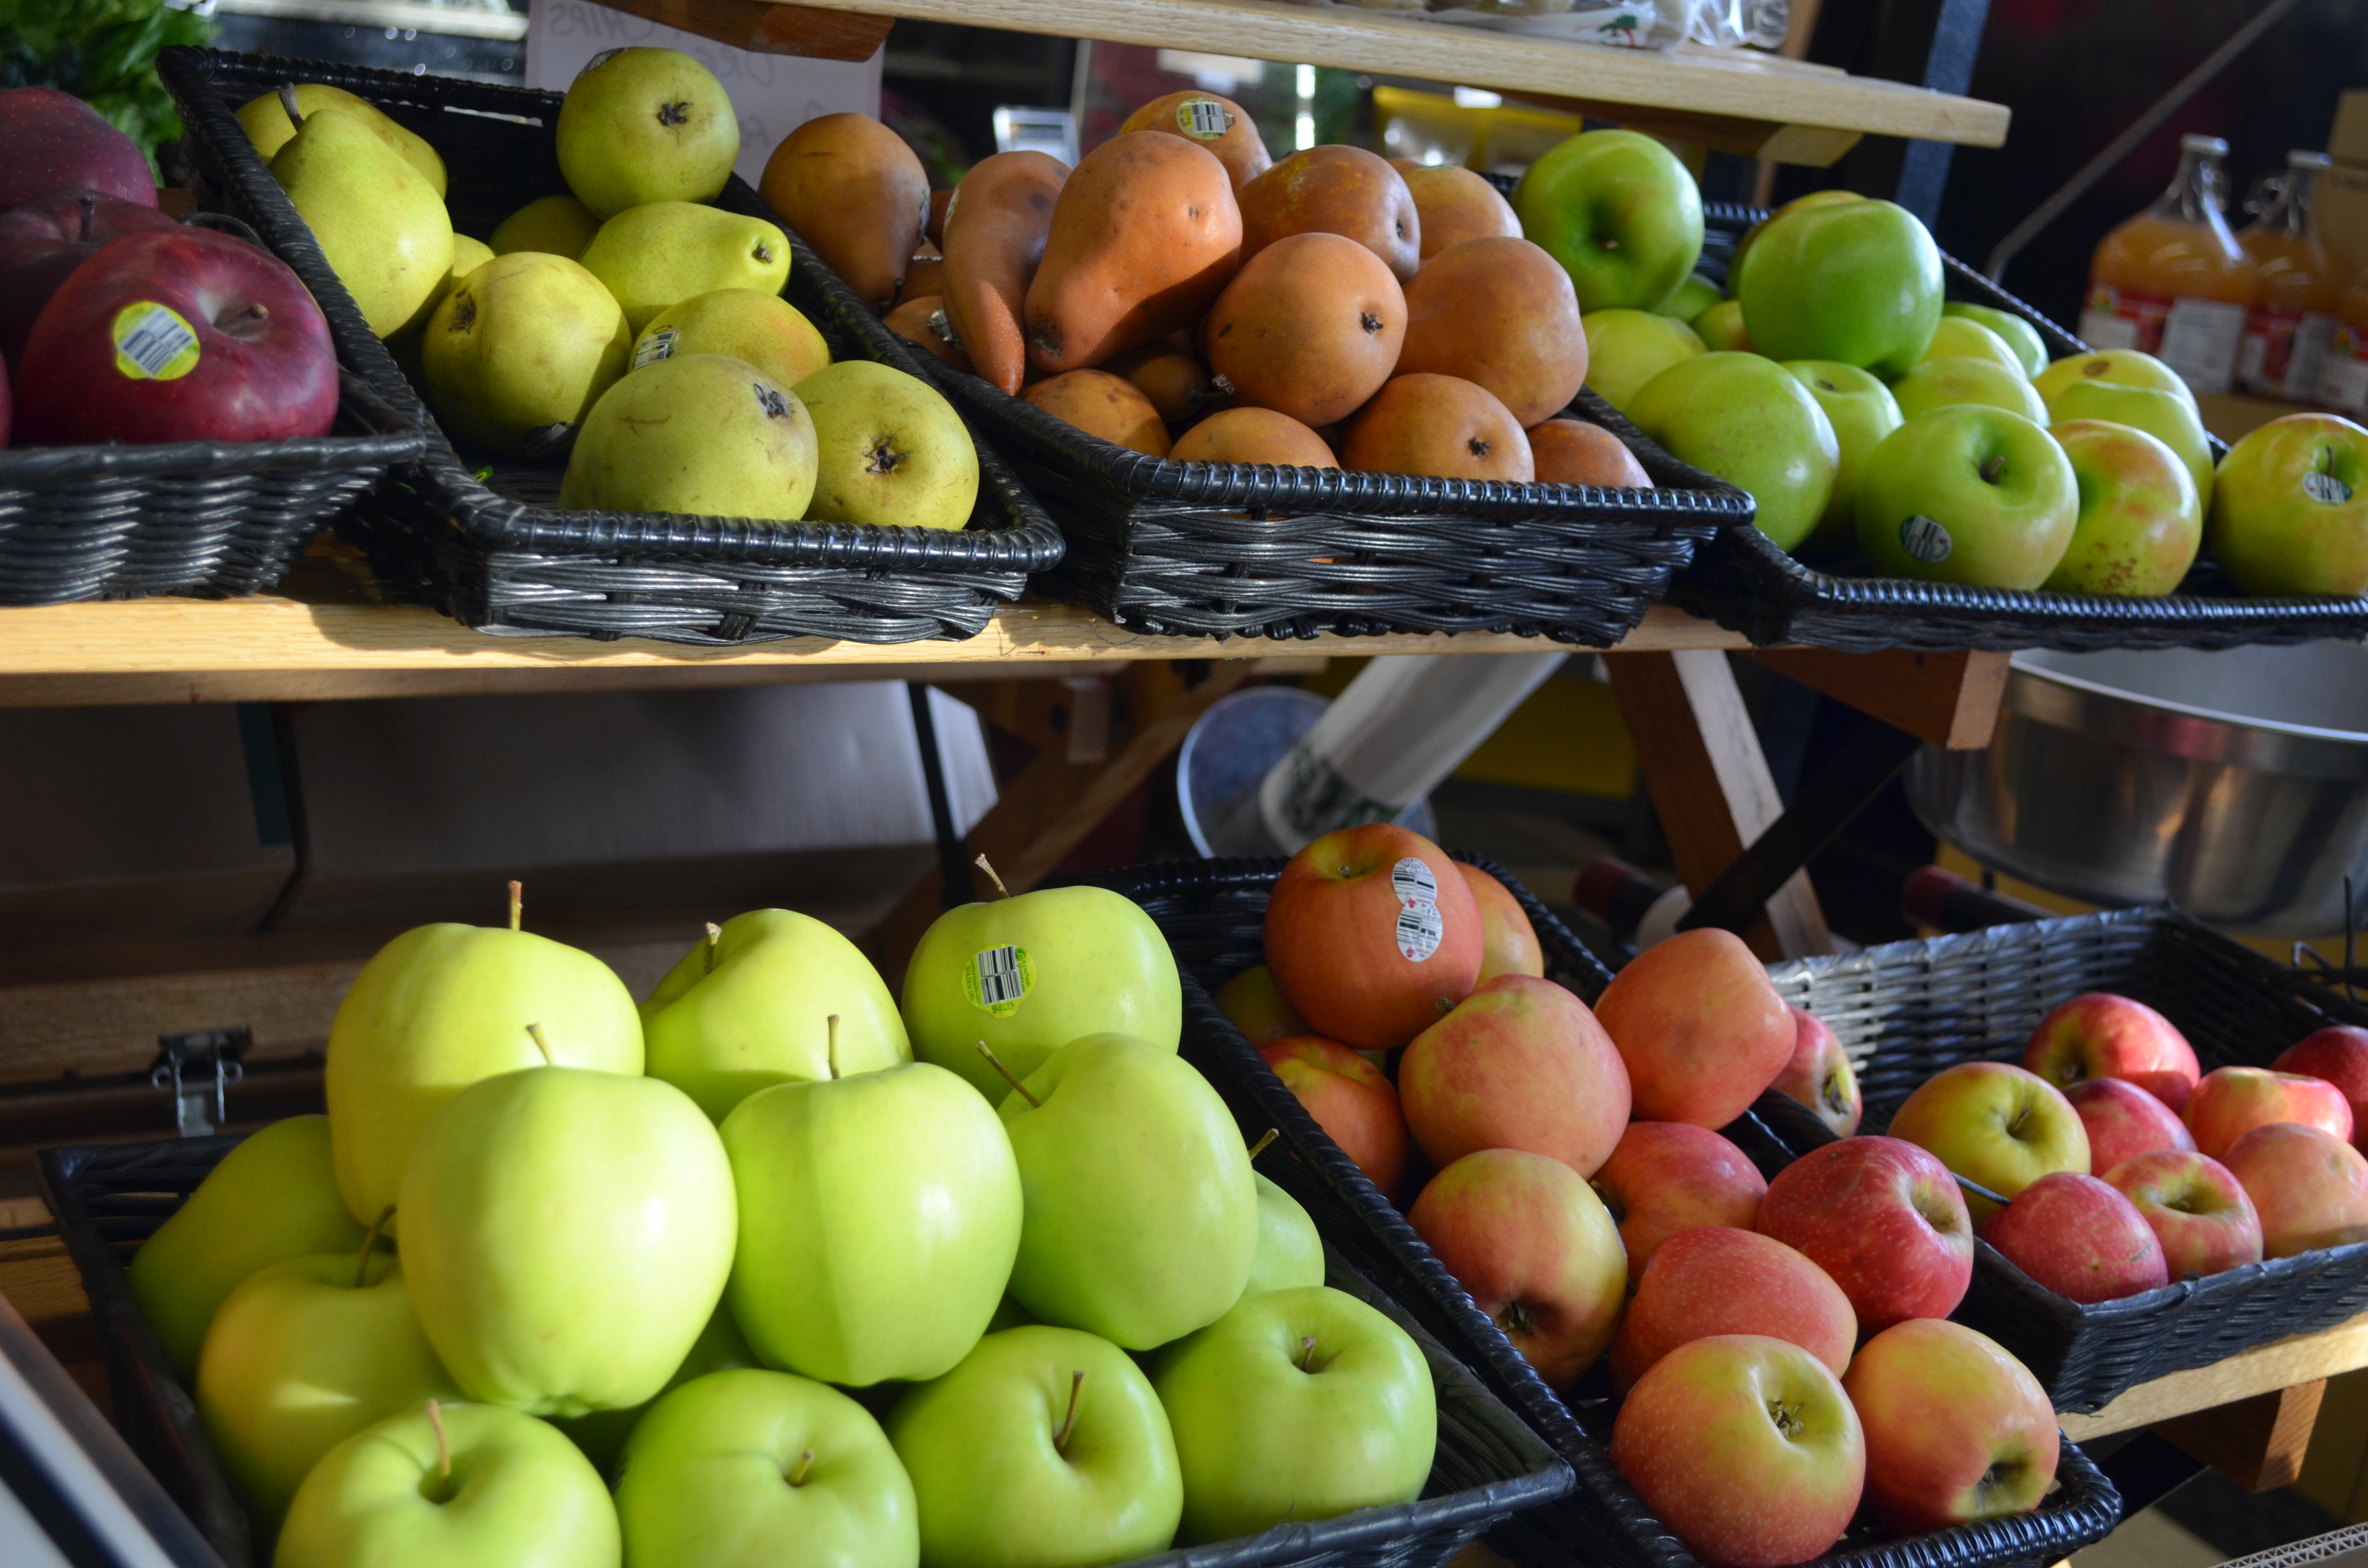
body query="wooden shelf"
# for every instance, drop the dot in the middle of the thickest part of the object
(2265, 1369)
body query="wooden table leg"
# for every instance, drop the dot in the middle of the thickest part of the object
(1949, 699)
(2258, 1443)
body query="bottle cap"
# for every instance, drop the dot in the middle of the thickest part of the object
(2299, 159)
(2213, 146)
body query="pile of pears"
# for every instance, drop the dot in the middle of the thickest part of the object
(630, 328)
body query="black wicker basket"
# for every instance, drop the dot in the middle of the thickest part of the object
(483, 540)
(1742, 580)
(1212, 912)
(108, 1199)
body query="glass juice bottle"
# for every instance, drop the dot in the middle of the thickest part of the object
(2294, 315)
(2343, 379)
(2172, 281)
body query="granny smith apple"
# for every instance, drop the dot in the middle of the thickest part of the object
(878, 1218)
(2168, 417)
(437, 1009)
(1029, 974)
(1297, 1405)
(1751, 235)
(1694, 296)
(474, 1486)
(1956, 337)
(2122, 367)
(1747, 420)
(271, 1198)
(1721, 329)
(750, 1007)
(567, 1234)
(1937, 383)
(1620, 213)
(1046, 1448)
(1863, 411)
(764, 1469)
(1627, 348)
(1968, 494)
(601, 1434)
(2013, 331)
(2140, 524)
(1857, 281)
(1141, 1217)
(1290, 1252)
(2290, 509)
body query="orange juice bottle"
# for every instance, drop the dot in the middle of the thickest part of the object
(2343, 379)
(2286, 335)
(2172, 281)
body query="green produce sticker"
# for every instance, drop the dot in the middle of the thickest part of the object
(1926, 539)
(2325, 488)
(998, 980)
(153, 343)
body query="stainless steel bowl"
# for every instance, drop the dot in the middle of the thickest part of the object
(2235, 782)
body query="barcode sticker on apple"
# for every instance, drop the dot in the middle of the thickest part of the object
(1203, 118)
(1420, 930)
(1412, 882)
(998, 980)
(1926, 539)
(153, 343)
(657, 345)
(2325, 487)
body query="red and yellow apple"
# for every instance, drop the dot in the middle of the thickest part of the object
(2198, 1210)
(1374, 935)
(1667, 1177)
(2099, 1035)
(2290, 507)
(1520, 1064)
(2231, 1101)
(1956, 1428)
(2123, 1122)
(1717, 1279)
(1819, 1076)
(2076, 1235)
(1995, 1124)
(1349, 1098)
(1256, 1006)
(2337, 1053)
(1699, 1027)
(1509, 943)
(1883, 1219)
(2309, 1187)
(2140, 518)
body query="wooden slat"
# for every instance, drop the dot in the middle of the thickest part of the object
(2258, 1443)
(2301, 1359)
(1949, 699)
(765, 28)
(1813, 146)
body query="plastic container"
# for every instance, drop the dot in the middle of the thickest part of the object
(2172, 281)
(2301, 280)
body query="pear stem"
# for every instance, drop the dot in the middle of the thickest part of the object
(518, 904)
(288, 102)
(534, 1031)
(443, 1444)
(1008, 1075)
(370, 1245)
(1308, 1354)
(805, 1463)
(1268, 1136)
(714, 936)
(1069, 1422)
(983, 864)
(831, 1023)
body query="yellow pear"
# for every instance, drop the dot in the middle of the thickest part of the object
(742, 323)
(652, 256)
(698, 433)
(894, 452)
(468, 254)
(520, 350)
(381, 226)
(643, 125)
(265, 122)
(555, 225)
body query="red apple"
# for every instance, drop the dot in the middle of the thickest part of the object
(2099, 1035)
(2077, 1236)
(2198, 1210)
(1701, 1031)
(1994, 1124)
(42, 242)
(2309, 1187)
(1373, 934)
(2232, 1101)
(2123, 1122)
(1717, 1279)
(1819, 1076)
(188, 335)
(1509, 943)
(1349, 1098)
(1520, 1064)
(1667, 1177)
(1883, 1219)
(1956, 1428)
(1531, 1242)
(1255, 1004)
(2337, 1053)
(49, 138)
(1745, 1448)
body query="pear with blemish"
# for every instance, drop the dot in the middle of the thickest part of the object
(852, 190)
(519, 353)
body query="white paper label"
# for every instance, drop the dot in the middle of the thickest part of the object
(657, 345)
(1412, 882)
(2103, 329)
(2326, 488)
(2343, 383)
(1926, 539)
(2200, 338)
(1420, 930)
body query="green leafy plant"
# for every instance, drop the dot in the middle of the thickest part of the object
(103, 53)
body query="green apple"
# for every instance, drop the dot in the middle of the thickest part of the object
(1694, 296)
(2122, 367)
(1747, 420)
(2140, 524)
(1968, 494)
(1296, 1405)
(567, 1234)
(1956, 337)
(879, 1217)
(753, 1005)
(1940, 384)
(601, 1434)
(2290, 510)
(2013, 331)
(1620, 213)
(464, 1486)
(2168, 417)
(271, 1198)
(302, 1356)
(1031, 973)
(1046, 1448)
(1863, 411)
(1627, 348)
(439, 1008)
(1290, 1252)
(1721, 330)
(1751, 235)
(764, 1469)
(1142, 1220)
(1857, 281)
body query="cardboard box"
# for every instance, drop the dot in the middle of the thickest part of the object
(2347, 142)
(2341, 201)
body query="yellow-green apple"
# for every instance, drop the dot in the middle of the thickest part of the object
(2116, 366)
(2167, 416)
(457, 1485)
(1031, 973)
(601, 1434)
(1857, 281)
(1694, 296)
(2309, 1187)
(2029, 348)
(1047, 1448)
(2229, 1102)
(2198, 1210)
(2289, 506)
(879, 1217)
(1256, 1006)
(1750, 235)
(2337, 1053)
(1625, 348)
(1140, 1220)
(1745, 1448)
(1509, 943)
(1374, 935)
(751, 1466)
(1819, 1075)
(1745, 420)
(1884, 1221)
(2123, 1122)
(773, 996)
(1967, 493)
(1699, 1026)
(1863, 411)
(2077, 1235)
(1958, 337)
(1351, 1099)
(567, 1234)
(1667, 1177)
(1943, 383)
(271, 1198)
(1717, 1279)
(1620, 213)
(1721, 330)
(2099, 1035)
(1520, 1064)
(1956, 1428)
(2140, 524)
(1536, 1249)
(1290, 1252)
(1296, 1405)
(1995, 1124)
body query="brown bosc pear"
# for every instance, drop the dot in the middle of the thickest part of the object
(1336, 189)
(851, 189)
(1146, 235)
(1219, 124)
(918, 321)
(994, 235)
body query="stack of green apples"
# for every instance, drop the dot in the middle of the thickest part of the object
(770, 1269)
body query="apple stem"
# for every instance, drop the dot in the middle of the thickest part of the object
(1008, 1075)
(443, 1444)
(1307, 1353)
(370, 1245)
(1268, 1136)
(518, 903)
(1992, 466)
(534, 1031)
(805, 1463)
(288, 102)
(715, 935)
(89, 203)
(1000, 890)
(831, 1024)
(1069, 1422)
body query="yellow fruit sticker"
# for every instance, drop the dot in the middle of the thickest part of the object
(998, 980)
(1203, 120)
(153, 343)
